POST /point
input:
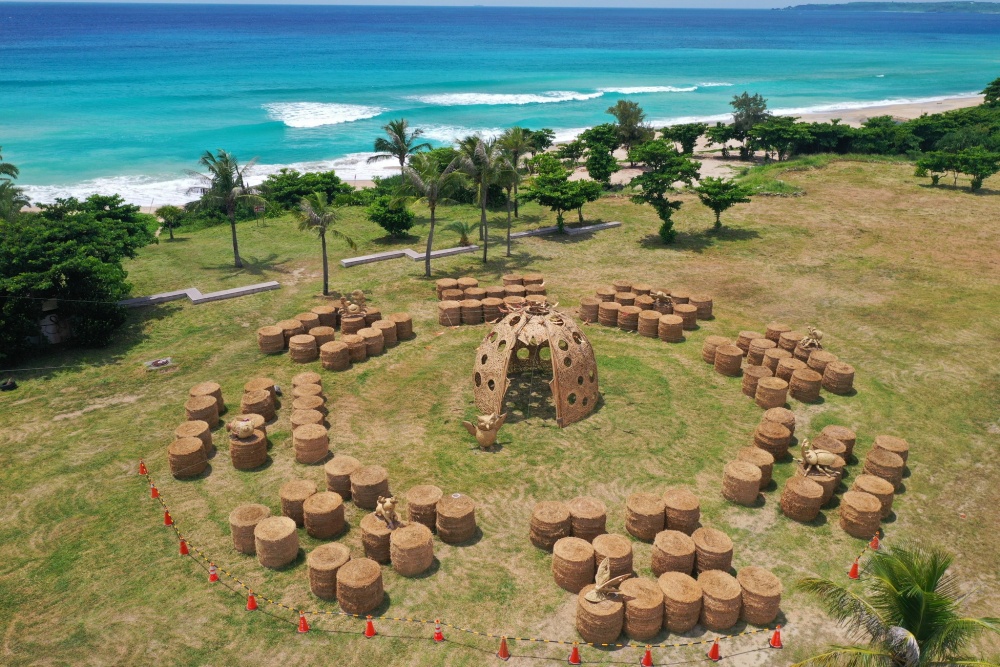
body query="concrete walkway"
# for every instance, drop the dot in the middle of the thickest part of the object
(197, 297)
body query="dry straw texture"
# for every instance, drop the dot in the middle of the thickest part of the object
(625, 298)
(411, 549)
(680, 296)
(367, 484)
(293, 495)
(242, 522)
(819, 359)
(270, 340)
(751, 376)
(758, 347)
(573, 563)
(838, 378)
(710, 345)
(404, 325)
(309, 320)
(671, 329)
(722, 600)
(312, 443)
(588, 517)
(276, 541)
(303, 348)
(327, 315)
(512, 279)
(761, 595)
(628, 318)
(607, 313)
(516, 290)
(649, 323)
(375, 536)
(828, 444)
(688, 315)
(372, 315)
(789, 340)
(682, 600)
(374, 342)
(303, 417)
(186, 457)
(421, 504)
(324, 514)
(338, 474)
(703, 306)
(775, 329)
(589, 308)
(317, 403)
(885, 464)
(550, 522)
(782, 416)
(644, 515)
(788, 366)
(324, 562)
(606, 294)
(771, 393)
(335, 356)
(249, 453)
(773, 438)
(290, 328)
(801, 499)
(805, 385)
(359, 586)
(744, 339)
(467, 282)
(388, 330)
(643, 608)
(622, 285)
(599, 622)
(357, 351)
(877, 487)
(203, 408)
(449, 313)
(728, 360)
(828, 483)
(673, 551)
(846, 436)
(456, 518)
(617, 549)
(258, 402)
(307, 377)
(713, 550)
(471, 311)
(741, 482)
(891, 443)
(196, 429)
(760, 459)
(860, 514)
(209, 389)
(683, 510)
(773, 356)
(352, 324)
(256, 384)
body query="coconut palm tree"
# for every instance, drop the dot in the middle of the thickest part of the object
(909, 615)
(225, 186)
(12, 200)
(462, 229)
(431, 180)
(399, 143)
(484, 162)
(517, 141)
(509, 180)
(316, 212)
(7, 169)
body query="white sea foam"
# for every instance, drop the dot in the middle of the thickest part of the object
(450, 133)
(638, 90)
(493, 99)
(716, 84)
(317, 114)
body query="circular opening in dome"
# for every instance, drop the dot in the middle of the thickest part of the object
(593, 376)
(502, 346)
(492, 337)
(586, 400)
(568, 362)
(479, 380)
(563, 345)
(515, 320)
(545, 354)
(577, 338)
(484, 359)
(579, 380)
(492, 385)
(571, 399)
(523, 354)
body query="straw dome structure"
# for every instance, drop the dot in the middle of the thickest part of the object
(533, 328)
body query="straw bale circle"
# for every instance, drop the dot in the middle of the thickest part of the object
(788, 366)
(186, 457)
(317, 403)
(828, 444)
(512, 279)
(533, 279)
(449, 313)
(492, 309)
(645, 301)
(860, 514)
(421, 504)
(758, 347)
(324, 514)
(688, 315)
(196, 429)
(641, 289)
(828, 483)
(703, 305)
(471, 311)
(773, 356)
(550, 522)
(203, 408)
(626, 298)
(404, 325)
(242, 522)
(643, 608)
(628, 318)
(789, 340)
(588, 517)
(759, 458)
(352, 324)
(710, 345)
(671, 329)
(496, 292)
(761, 595)
(249, 453)
(388, 330)
(589, 307)
(673, 551)
(323, 335)
(276, 541)
(805, 384)
(443, 284)
(846, 436)
(775, 329)
(411, 549)
(885, 464)
(359, 586)
(573, 563)
(801, 498)
(722, 600)
(334, 356)
(782, 416)
(891, 443)
(327, 315)
(309, 320)
(771, 393)
(465, 282)
(683, 511)
(374, 342)
(649, 323)
(293, 496)
(375, 536)
(367, 484)
(606, 294)
(290, 328)
(258, 402)
(877, 487)
(338, 472)
(357, 350)
(516, 290)
(456, 518)
(324, 562)
(751, 376)
(819, 359)
(617, 549)
(802, 353)
(514, 301)
(607, 313)
(838, 378)
(372, 315)
(743, 340)
(773, 438)
(682, 599)
(713, 550)
(645, 515)
(622, 285)
(741, 482)
(680, 296)
(257, 384)
(599, 622)
(311, 443)
(303, 417)
(303, 348)
(307, 377)
(270, 339)
(728, 360)
(455, 294)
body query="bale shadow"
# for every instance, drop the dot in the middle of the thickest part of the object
(429, 572)
(475, 539)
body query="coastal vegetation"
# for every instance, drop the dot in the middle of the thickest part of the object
(318, 214)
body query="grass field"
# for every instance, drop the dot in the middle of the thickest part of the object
(903, 279)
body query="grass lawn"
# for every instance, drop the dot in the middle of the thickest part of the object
(902, 278)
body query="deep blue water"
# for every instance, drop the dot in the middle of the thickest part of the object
(125, 97)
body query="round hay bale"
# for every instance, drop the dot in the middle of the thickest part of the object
(374, 342)
(761, 595)
(682, 598)
(443, 284)
(324, 562)
(196, 429)
(828, 444)
(877, 487)
(628, 318)
(782, 416)
(606, 294)
(573, 563)
(421, 504)
(645, 302)
(388, 330)
(802, 353)
(533, 279)
(290, 328)
(828, 483)
(607, 313)
(270, 339)
(662, 302)
(242, 522)
(308, 377)
(688, 315)
(257, 384)
(711, 344)
(467, 282)
(751, 376)
(550, 522)
(309, 320)
(338, 472)
(801, 499)
(317, 403)
(307, 390)
(249, 453)
(449, 313)
(404, 325)
(323, 335)
(625, 298)
(622, 285)
(846, 436)
(352, 324)
(644, 515)
(722, 600)
(535, 292)
(259, 403)
(492, 310)
(357, 350)
(683, 511)
(789, 340)
(774, 331)
(512, 279)
(303, 417)
(758, 347)
(303, 349)
(741, 482)
(186, 457)
(589, 308)
(327, 316)
(643, 608)
(324, 515)
(673, 551)
(617, 550)
(203, 408)
(456, 519)
(703, 305)
(818, 360)
(276, 541)
(496, 292)
(456, 294)
(773, 356)
(773, 438)
(367, 484)
(641, 289)
(885, 464)
(588, 517)
(713, 550)
(375, 535)
(335, 356)
(599, 622)
(679, 296)
(743, 340)
(411, 549)
(788, 366)
(293, 495)
(671, 328)
(728, 360)
(649, 323)
(759, 458)
(891, 443)
(771, 393)
(472, 311)
(805, 385)
(838, 378)
(860, 514)
(515, 290)
(359, 586)
(514, 301)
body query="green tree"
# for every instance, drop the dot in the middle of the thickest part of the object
(780, 135)
(991, 94)
(748, 112)
(979, 164)
(721, 134)
(171, 216)
(389, 213)
(934, 164)
(882, 135)
(572, 151)
(908, 615)
(224, 187)
(630, 126)
(588, 191)
(12, 200)
(552, 188)
(720, 194)
(463, 230)
(316, 213)
(686, 134)
(287, 187)
(398, 143)
(604, 135)
(654, 154)
(657, 186)
(431, 180)
(517, 143)
(7, 170)
(484, 162)
(541, 140)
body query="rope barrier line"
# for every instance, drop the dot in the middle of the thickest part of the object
(208, 564)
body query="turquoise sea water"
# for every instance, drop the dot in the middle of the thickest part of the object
(124, 98)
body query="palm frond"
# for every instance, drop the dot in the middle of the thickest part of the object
(851, 610)
(849, 656)
(961, 662)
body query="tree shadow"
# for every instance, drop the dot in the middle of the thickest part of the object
(390, 241)
(699, 241)
(984, 192)
(252, 266)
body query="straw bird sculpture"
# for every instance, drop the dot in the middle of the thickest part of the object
(240, 428)
(385, 509)
(604, 586)
(813, 340)
(485, 429)
(817, 459)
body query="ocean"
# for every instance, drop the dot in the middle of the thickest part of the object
(125, 98)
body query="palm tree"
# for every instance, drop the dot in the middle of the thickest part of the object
(12, 200)
(462, 229)
(484, 162)
(910, 614)
(428, 178)
(509, 180)
(400, 143)
(316, 212)
(224, 186)
(7, 169)
(518, 144)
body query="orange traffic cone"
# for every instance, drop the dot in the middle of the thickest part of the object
(853, 574)
(213, 573)
(714, 653)
(142, 468)
(874, 544)
(503, 653)
(647, 658)
(775, 641)
(184, 548)
(438, 635)
(251, 602)
(153, 493)
(167, 521)
(574, 655)
(303, 623)
(370, 628)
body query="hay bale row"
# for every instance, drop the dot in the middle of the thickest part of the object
(258, 402)
(471, 311)
(550, 522)
(617, 550)
(761, 595)
(588, 517)
(643, 608)
(782, 416)
(303, 349)
(773, 357)
(789, 340)
(196, 429)
(573, 563)
(713, 550)
(357, 349)
(324, 562)
(311, 442)
(338, 471)
(628, 318)
(878, 487)
(771, 393)
(375, 536)
(757, 349)
(209, 389)
(671, 329)
(270, 339)
(607, 313)
(805, 384)
(293, 496)
(411, 549)
(374, 341)
(599, 622)
(728, 360)
(774, 331)
(801, 499)
(838, 378)
(891, 443)
(828, 483)
(744, 339)
(649, 323)
(202, 408)
(352, 324)
(711, 344)
(773, 438)
(645, 515)
(752, 375)
(456, 518)
(589, 308)
(788, 366)
(673, 551)
(304, 417)
(492, 309)
(289, 328)
(819, 359)
(828, 444)
(885, 464)
(688, 315)
(844, 435)
(243, 521)
(367, 484)
(682, 601)
(760, 459)
(860, 514)
(625, 298)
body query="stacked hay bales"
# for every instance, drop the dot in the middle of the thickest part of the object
(760, 459)
(828, 444)
(293, 496)
(404, 325)
(774, 331)
(728, 360)
(782, 416)
(710, 345)
(744, 339)
(671, 329)
(722, 600)
(359, 586)
(771, 393)
(311, 442)
(682, 509)
(471, 311)
(411, 549)
(773, 357)
(327, 316)
(276, 541)
(688, 315)
(258, 402)
(607, 313)
(752, 376)
(885, 464)
(617, 550)
(303, 417)
(353, 323)
(703, 306)
(357, 350)
(789, 340)
(786, 367)
(645, 515)
(828, 483)
(186, 457)
(303, 390)
(649, 324)
(261, 383)
(445, 284)
(203, 408)
(375, 536)
(645, 302)
(323, 515)
(338, 475)
(599, 622)
(628, 318)
(290, 328)
(573, 563)
(456, 519)
(248, 453)
(626, 298)
(196, 429)
(805, 385)
(421, 504)
(891, 443)
(303, 349)
(838, 378)
(588, 517)
(757, 349)
(589, 308)
(374, 342)
(713, 550)
(860, 514)
(673, 551)
(801, 499)
(492, 309)
(878, 487)
(309, 320)
(388, 330)
(643, 608)
(372, 315)
(773, 438)
(622, 285)
(270, 340)
(844, 435)
(680, 296)
(605, 294)
(449, 313)
(641, 289)
(741, 482)
(682, 601)
(324, 562)
(243, 521)
(761, 595)
(367, 484)
(819, 359)
(550, 522)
